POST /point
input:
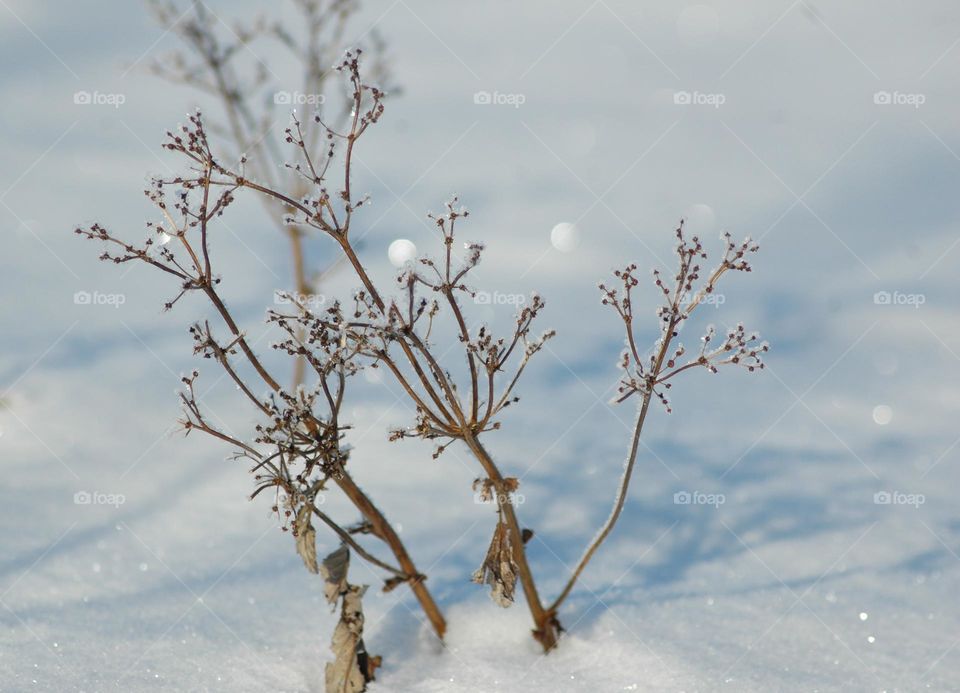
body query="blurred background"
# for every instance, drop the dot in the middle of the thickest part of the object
(826, 132)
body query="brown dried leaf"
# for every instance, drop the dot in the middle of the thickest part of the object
(343, 674)
(306, 537)
(499, 569)
(334, 571)
(352, 666)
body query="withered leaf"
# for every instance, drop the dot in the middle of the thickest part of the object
(499, 569)
(343, 674)
(352, 667)
(334, 571)
(306, 537)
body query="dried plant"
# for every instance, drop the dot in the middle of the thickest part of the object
(664, 361)
(225, 61)
(375, 329)
(298, 450)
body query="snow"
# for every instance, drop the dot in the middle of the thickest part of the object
(799, 581)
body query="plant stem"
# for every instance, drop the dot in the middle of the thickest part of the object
(384, 530)
(621, 496)
(547, 631)
(617, 507)
(303, 290)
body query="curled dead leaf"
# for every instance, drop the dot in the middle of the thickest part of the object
(499, 569)
(344, 674)
(334, 571)
(352, 666)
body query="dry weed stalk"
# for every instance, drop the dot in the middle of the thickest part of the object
(395, 333)
(224, 61)
(298, 451)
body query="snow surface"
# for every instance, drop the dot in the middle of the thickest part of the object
(186, 587)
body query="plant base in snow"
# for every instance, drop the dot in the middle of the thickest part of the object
(353, 667)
